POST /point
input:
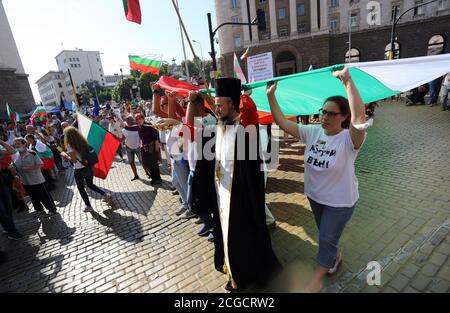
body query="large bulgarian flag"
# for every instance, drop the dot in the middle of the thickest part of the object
(39, 114)
(132, 10)
(104, 143)
(304, 93)
(149, 63)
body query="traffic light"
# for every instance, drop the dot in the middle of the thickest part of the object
(261, 17)
(80, 99)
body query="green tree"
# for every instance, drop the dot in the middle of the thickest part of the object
(87, 89)
(122, 90)
(144, 85)
(105, 95)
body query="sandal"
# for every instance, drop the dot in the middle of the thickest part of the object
(335, 268)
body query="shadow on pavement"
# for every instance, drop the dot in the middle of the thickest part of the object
(127, 228)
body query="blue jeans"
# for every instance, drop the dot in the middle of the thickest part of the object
(435, 88)
(180, 173)
(445, 105)
(331, 222)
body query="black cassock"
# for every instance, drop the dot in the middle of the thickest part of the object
(250, 253)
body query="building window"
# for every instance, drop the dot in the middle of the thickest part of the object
(352, 56)
(333, 23)
(396, 50)
(354, 19)
(100, 70)
(262, 1)
(70, 59)
(234, 4)
(59, 85)
(442, 4)
(436, 45)
(283, 31)
(98, 60)
(281, 13)
(334, 3)
(235, 19)
(301, 28)
(237, 41)
(395, 11)
(300, 9)
(418, 10)
(65, 60)
(71, 65)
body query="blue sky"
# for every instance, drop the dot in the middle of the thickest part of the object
(41, 27)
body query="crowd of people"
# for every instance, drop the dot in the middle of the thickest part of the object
(225, 194)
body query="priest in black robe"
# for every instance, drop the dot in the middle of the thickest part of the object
(235, 195)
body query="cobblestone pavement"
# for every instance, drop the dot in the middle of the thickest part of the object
(402, 221)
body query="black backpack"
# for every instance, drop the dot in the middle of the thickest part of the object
(91, 158)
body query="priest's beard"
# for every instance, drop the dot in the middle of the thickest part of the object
(230, 119)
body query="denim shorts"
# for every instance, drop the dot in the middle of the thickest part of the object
(331, 222)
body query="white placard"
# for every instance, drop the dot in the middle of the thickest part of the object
(260, 67)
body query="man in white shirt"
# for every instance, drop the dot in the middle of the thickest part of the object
(130, 135)
(446, 89)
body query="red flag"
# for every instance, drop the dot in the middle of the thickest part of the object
(132, 10)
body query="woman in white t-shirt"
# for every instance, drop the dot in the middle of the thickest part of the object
(330, 182)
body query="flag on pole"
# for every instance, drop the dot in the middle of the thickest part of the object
(46, 155)
(39, 114)
(238, 73)
(104, 143)
(11, 114)
(132, 11)
(246, 54)
(149, 63)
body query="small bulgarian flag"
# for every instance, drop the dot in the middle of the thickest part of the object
(103, 142)
(46, 155)
(238, 73)
(132, 10)
(150, 63)
(40, 114)
(11, 114)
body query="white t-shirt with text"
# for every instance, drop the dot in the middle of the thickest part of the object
(329, 167)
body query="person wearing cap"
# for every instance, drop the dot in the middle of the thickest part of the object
(130, 135)
(150, 149)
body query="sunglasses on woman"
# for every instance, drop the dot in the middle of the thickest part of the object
(330, 113)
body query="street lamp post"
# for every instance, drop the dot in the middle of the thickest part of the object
(395, 20)
(92, 79)
(201, 61)
(212, 34)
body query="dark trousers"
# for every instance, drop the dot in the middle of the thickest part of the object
(435, 88)
(6, 219)
(150, 163)
(40, 197)
(120, 152)
(86, 175)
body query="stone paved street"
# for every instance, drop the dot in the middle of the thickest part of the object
(402, 221)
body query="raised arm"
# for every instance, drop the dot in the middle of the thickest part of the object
(172, 98)
(156, 107)
(8, 149)
(288, 126)
(357, 109)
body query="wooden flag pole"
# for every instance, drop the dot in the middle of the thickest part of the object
(184, 29)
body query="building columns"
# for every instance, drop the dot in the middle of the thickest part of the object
(314, 17)
(293, 16)
(273, 20)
